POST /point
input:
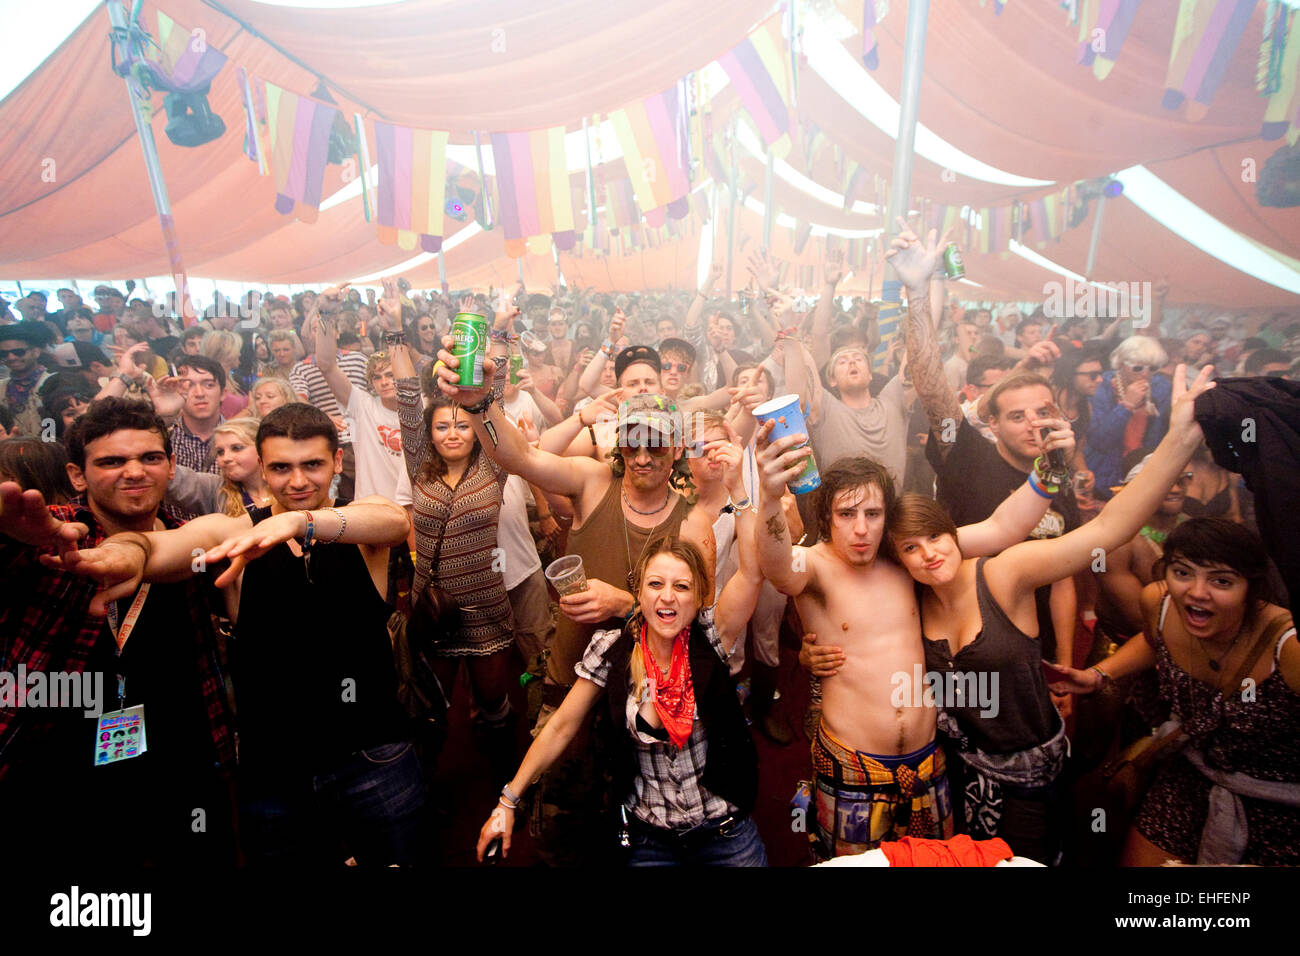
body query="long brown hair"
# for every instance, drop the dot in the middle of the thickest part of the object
(434, 465)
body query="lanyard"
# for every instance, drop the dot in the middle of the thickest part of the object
(121, 635)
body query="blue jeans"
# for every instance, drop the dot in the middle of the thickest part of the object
(736, 845)
(370, 807)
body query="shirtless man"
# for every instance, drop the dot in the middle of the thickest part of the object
(868, 751)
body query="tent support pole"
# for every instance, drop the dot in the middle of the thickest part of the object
(442, 272)
(117, 16)
(769, 188)
(731, 207)
(900, 189)
(1096, 236)
(909, 103)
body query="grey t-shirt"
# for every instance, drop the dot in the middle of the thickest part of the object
(878, 431)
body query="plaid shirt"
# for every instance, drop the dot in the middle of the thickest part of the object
(46, 625)
(191, 450)
(668, 792)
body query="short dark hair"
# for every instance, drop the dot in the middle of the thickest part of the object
(297, 421)
(914, 515)
(849, 473)
(1209, 541)
(203, 363)
(36, 335)
(1261, 357)
(108, 415)
(87, 353)
(980, 364)
(1009, 383)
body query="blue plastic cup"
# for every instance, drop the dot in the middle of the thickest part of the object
(785, 411)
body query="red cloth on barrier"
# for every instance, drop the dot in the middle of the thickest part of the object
(958, 851)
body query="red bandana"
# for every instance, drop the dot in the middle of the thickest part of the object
(674, 697)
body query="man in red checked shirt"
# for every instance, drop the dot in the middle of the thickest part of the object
(167, 803)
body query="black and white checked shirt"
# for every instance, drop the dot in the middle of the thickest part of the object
(668, 792)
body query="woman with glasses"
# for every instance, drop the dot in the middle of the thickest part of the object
(1075, 379)
(423, 341)
(1130, 409)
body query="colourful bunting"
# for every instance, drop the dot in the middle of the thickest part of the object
(620, 203)
(412, 185)
(870, 47)
(255, 147)
(533, 186)
(1206, 35)
(299, 136)
(1103, 28)
(854, 186)
(650, 133)
(760, 72)
(184, 56)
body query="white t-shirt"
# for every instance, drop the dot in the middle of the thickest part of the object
(513, 536)
(377, 440)
(522, 404)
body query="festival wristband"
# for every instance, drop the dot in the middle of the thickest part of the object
(310, 534)
(1039, 490)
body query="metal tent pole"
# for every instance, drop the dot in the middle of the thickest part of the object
(909, 103)
(121, 37)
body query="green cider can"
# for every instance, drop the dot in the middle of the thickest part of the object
(516, 364)
(953, 266)
(469, 346)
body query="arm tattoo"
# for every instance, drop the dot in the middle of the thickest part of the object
(924, 361)
(776, 526)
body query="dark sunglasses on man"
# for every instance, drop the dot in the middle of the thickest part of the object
(682, 367)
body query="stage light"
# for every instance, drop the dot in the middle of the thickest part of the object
(190, 120)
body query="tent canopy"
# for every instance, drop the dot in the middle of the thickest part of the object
(1004, 89)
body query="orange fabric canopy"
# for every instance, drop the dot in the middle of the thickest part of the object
(1004, 89)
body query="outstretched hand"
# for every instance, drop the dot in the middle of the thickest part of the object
(914, 261)
(25, 517)
(257, 541)
(1182, 409)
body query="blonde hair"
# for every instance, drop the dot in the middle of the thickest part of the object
(377, 361)
(286, 335)
(222, 346)
(232, 496)
(283, 387)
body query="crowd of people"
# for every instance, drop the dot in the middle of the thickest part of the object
(277, 539)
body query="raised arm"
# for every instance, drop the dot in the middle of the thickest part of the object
(1035, 563)
(1020, 513)
(914, 263)
(821, 331)
(777, 466)
(327, 359)
(590, 381)
(696, 309)
(504, 444)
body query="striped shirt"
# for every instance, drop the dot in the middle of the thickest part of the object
(306, 378)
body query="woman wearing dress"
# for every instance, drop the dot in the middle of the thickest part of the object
(1229, 665)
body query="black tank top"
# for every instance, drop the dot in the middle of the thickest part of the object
(313, 669)
(1025, 715)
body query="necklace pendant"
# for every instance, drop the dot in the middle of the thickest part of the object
(1214, 666)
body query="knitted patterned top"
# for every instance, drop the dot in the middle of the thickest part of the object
(468, 564)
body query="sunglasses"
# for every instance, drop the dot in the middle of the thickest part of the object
(657, 450)
(1139, 368)
(15, 353)
(680, 366)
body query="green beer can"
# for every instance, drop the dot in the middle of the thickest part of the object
(469, 346)
(516, 364)
(953, 266)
